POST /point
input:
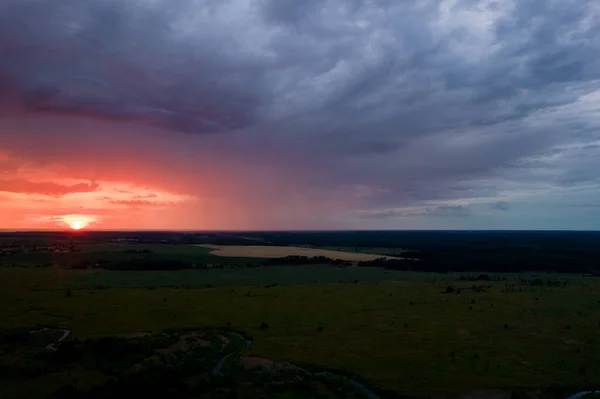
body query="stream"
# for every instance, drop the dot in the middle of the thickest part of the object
(54, 345)
(582, 394)
(217, 370)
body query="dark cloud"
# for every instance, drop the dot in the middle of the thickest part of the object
(422, 101)
(110, 59)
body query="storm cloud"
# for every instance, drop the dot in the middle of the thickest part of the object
(432, 109)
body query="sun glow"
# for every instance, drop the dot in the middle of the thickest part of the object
(77, 222)
(77, 225)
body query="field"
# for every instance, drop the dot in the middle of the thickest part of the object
(265, 251)
(500, 315)
(387, 251)
(407, 335)
(236, 277)
(110, 253)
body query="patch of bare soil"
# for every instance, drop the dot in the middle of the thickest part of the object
(266, 251)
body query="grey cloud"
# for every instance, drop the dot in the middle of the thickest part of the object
(121, 60)
(291, 11)
(449, 210)
(432, 211)
(500, 206)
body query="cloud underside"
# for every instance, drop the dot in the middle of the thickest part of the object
(395, 108)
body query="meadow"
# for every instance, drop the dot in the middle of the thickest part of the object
(386, 251)
(259, 276)
(103, 253)
(406, 332)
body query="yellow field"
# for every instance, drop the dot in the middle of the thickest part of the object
(266, 251)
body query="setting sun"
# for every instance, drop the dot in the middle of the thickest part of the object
(77, 224)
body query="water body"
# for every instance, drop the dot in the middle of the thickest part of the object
(217, 369)
(54, 346)
(219, 366)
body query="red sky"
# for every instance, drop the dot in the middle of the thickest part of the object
(109, 175)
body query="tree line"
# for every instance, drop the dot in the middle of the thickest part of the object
(295, 260)
(507, 261)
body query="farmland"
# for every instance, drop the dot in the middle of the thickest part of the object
(412, 334)
(263, 251)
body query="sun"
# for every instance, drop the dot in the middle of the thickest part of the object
(77, 224)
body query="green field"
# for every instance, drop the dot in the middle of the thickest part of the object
(367, 250)
(267, 276)
(103, 253)
(182, 364)
(260, 276)
(406, 335)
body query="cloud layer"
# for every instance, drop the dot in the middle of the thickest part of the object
(320, 113)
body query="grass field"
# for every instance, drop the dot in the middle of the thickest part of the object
(266, 251)
(264, 276)
(389, 251)
(406, 335)
(114, 252)
(237, 276)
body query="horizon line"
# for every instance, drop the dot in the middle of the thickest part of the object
(280, 230)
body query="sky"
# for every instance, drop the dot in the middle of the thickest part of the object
(292, 115)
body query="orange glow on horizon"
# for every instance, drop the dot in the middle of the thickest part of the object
(78, 222)
(77, 225)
